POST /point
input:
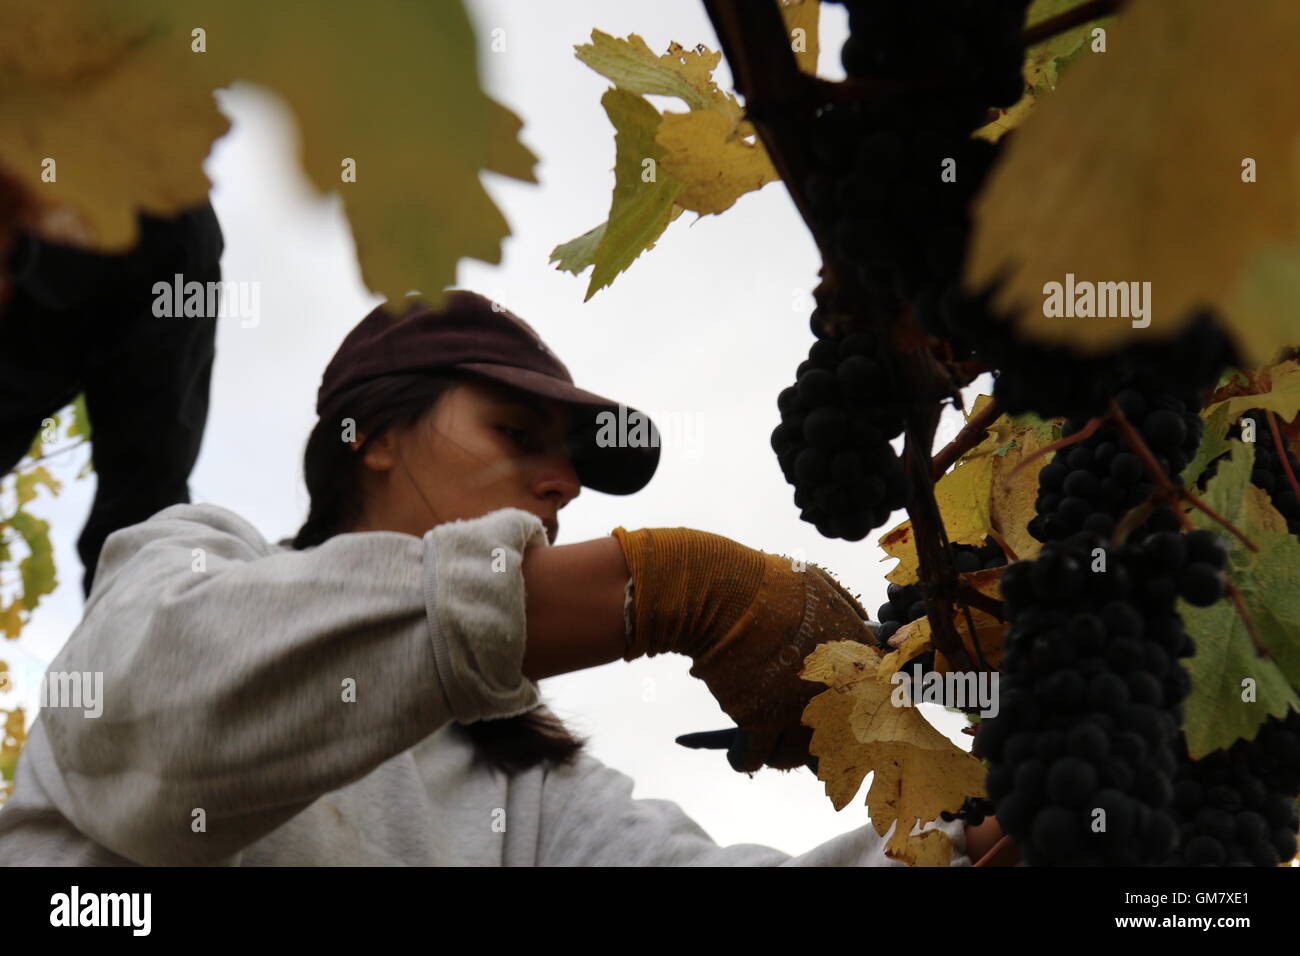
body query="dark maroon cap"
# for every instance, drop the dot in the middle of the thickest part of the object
(471, 334)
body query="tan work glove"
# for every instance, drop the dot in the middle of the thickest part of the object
(747, 619)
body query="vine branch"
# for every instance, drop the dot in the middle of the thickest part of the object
(781, 102)
(1282, 452)
(971, 434)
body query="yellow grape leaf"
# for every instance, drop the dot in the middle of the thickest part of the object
(1283, 396)
(857, 730)
(1014, 496)
(715, 162)
(801, 23)
(397, 95)
(911, 640)
(26, 482)
(842, 761)
(963, 497)
(913, 785)
(124, 110)
(1150, 188)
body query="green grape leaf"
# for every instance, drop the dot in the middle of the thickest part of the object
(639, 211)
(1214, 442)
(1269, 582)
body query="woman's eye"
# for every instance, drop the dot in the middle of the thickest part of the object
(520, 436)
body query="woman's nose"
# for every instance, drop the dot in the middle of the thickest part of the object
(560, 479)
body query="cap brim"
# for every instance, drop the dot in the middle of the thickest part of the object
(617, 468)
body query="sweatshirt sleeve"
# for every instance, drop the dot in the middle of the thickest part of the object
(596, 822)
(241, 681)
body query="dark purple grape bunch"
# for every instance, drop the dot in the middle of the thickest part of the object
(833, 443)
(1188, 565)
(1091, 700)
(1089, 485)
(1236, 807)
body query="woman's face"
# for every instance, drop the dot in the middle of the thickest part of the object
(481, 447)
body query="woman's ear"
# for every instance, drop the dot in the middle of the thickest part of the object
(381, 454)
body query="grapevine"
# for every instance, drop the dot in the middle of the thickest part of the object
(1094, 665)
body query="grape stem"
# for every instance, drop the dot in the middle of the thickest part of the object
(977, 598)
(1240, 603)
(1006, 548)
(1165, 487)
(1068, 20)
(1080, 435)
(1281, 451)
(972, 433)
(997, 850)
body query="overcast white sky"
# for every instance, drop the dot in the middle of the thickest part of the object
(702, 332)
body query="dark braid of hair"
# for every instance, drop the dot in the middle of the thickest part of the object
(332, 472)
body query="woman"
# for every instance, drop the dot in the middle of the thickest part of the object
(365, 694)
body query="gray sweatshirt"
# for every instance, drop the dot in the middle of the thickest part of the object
(265, 706)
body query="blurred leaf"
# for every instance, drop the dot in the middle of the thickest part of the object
(38, 567)
(26, 482)
(1149, 188)
(398, 94)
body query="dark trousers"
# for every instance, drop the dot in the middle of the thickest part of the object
(80, 322)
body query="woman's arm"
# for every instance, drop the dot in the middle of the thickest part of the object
(575, 595)
(241, 682)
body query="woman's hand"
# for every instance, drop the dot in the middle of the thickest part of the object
(985, 837)
(748, 620)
